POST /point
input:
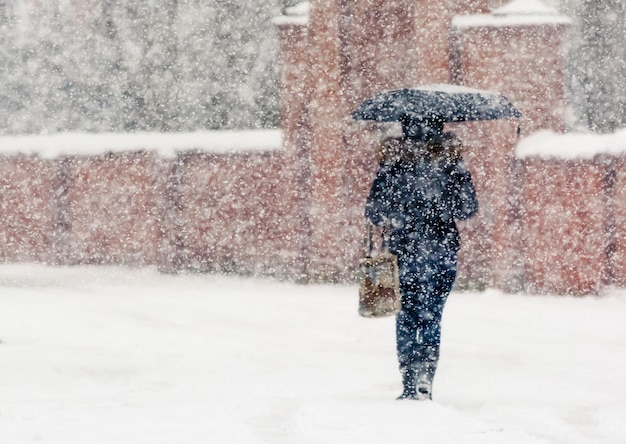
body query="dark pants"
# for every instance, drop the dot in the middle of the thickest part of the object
(425, 282)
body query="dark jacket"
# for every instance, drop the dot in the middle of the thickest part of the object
(421, 196)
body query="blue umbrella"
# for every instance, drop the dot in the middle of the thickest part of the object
(436, 103)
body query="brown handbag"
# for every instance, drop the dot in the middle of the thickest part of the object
(379, 284)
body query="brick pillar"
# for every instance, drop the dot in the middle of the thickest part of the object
(349, 51)
(615, 225)
(294, 64)
(404, 43)
(522, 58)
(517, 52)
(384, 46)
(295, 56)
(380, 52)
(313, 113)
(327, 114)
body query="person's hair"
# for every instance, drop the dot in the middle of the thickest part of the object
(401, 150)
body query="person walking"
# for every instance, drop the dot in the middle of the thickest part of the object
(421, 188)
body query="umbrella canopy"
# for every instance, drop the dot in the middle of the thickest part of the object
(440, 103)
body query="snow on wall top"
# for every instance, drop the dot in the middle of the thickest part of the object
(166, 144)
(295, 15)
(550, 145)
(515, 13)
(525, 7)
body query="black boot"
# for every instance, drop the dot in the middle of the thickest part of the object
(425, 372)
(408, 382)
(424, 384)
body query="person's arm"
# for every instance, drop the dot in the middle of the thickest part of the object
(376, 207)
(465, 203)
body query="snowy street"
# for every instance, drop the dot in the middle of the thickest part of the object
(112, 355)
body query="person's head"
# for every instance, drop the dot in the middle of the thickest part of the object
(421, 129)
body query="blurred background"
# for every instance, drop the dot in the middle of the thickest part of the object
(184, 65)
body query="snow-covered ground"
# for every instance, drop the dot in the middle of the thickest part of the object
(111, 355)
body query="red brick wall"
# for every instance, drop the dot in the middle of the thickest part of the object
(228, 212)
(238, 212)
(563, 221)
(28, 186)
(114, 208)
(544, 226)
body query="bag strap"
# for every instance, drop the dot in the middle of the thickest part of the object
(386, 233)
(368, 245)
(367, 240)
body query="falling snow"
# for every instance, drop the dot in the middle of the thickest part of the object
(152, 153)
